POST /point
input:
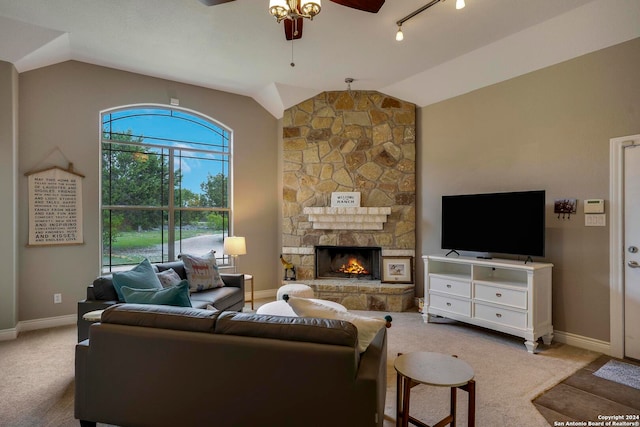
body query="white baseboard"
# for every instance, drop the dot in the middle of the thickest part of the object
(32, 325)
(582, 342)
(8, 334)
(49, 322)
(268, 293)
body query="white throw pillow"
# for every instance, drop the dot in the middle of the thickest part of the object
(168, 278)
(202, 271)
(367, 327)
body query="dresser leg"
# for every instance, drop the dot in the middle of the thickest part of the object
(531, 346)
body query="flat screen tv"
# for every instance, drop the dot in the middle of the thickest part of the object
(504, 223)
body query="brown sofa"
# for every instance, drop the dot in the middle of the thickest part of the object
(149, 365)
(101, 294)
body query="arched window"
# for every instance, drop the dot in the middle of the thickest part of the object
(165, 185)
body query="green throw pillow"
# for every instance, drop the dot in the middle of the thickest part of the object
(177, 295)
(141, 276)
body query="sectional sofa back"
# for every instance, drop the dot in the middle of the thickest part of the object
(185, 366)
(231, 323)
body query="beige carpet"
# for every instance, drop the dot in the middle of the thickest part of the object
(36, 374)
(507, 376)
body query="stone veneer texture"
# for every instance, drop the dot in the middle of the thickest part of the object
(360, 141)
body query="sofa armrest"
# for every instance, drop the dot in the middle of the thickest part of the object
(84, 307)
(233, 280)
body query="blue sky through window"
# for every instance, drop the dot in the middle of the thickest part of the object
(173, 128)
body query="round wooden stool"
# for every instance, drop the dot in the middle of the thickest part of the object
(433, 369)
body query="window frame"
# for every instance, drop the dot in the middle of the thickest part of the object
(171, 209)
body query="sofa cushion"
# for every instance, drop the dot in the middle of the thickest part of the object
(103, 289)
(219, 297)
(168, 278)
(177, 295)
(367, 327)
(202, 271)
(161, 316)
(141, 276)
(322, 331)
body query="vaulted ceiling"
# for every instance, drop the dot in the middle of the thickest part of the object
(238, 47)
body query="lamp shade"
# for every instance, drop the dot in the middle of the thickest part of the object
(235, 246)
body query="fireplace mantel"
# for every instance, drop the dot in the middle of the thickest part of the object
(347, 218)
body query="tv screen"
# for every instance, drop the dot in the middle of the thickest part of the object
(506, 223)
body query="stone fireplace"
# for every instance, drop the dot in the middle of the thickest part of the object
(350, 141)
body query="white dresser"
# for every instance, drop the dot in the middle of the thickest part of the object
(504, 295)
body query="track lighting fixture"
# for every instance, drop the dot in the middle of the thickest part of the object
(400, 36)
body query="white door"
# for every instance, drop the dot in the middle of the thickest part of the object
(632, 251)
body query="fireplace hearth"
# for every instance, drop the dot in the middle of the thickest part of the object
(347, 262)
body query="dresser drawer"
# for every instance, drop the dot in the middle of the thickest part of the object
(511, 297)
(451, 304)
(450, 286)
(502, 316)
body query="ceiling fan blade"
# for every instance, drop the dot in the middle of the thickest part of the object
(372, 6)
(290, 32)
(214, 2)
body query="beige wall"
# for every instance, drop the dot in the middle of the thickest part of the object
(60, 108)
(8, 190)
(549, 130)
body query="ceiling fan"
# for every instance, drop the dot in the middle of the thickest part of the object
(293, 27)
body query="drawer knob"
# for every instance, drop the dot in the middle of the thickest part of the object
(449, 286)
(498, 315)
(498, 294)
(448, 304)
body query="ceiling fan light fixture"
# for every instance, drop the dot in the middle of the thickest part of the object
(310, 8)
(294, 9)
(399, 34)
(279, 9)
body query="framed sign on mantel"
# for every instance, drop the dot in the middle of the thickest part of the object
(55, 207)
(340, 199)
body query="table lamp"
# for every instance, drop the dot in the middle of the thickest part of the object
(234, 246)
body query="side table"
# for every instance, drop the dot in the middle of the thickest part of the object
(438, 370)
(249, 278)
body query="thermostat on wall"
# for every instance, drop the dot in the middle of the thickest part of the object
(594, 206)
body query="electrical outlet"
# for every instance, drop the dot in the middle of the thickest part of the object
(57, 298)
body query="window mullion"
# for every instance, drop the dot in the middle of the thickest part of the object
(171, 213)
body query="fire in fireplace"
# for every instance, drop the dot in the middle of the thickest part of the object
(347, 262)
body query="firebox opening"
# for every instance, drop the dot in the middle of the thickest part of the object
(348, 262)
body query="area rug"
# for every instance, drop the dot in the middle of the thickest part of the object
(620, 372)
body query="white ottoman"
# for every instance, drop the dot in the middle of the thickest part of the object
(299, 290)
(282, 308)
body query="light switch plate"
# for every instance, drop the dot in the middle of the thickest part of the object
(595, 220)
